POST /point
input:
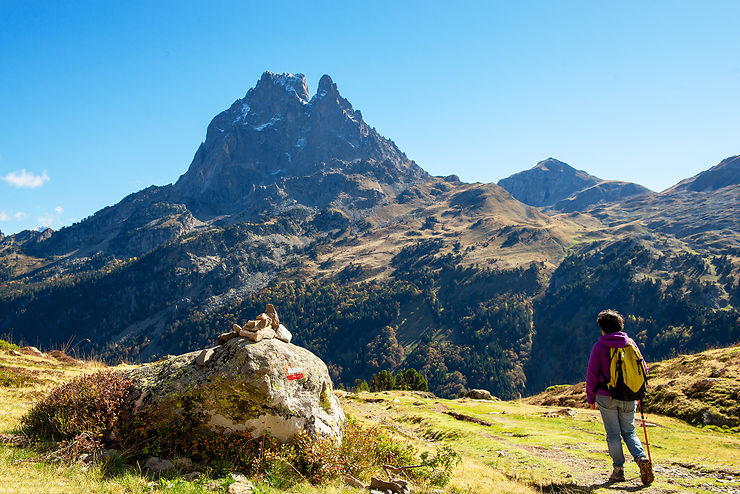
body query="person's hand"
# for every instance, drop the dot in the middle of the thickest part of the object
(593, 406)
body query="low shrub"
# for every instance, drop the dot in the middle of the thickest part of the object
(8, 347)
(88, 404)
(90, 413)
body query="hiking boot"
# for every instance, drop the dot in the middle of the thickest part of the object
(646, 471)
(617, 475)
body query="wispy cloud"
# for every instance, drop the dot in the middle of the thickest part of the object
(5, 216)
(46, 220)
(24, 179)
(59, 209)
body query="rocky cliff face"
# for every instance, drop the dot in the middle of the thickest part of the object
(278, 148)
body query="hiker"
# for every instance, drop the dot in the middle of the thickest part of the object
(618, 415)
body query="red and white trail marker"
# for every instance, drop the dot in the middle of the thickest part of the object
(293, 373)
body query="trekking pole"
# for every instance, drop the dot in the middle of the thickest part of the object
(645, 429)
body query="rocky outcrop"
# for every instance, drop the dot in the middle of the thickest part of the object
(480, 394)
(268, 386)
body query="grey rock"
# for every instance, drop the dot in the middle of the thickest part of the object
(110, 453)
(479, 394)
(282, 334)
(240, 488)
(224, 337)
(252, 335)
(204, 356)
(158, 465)
(711, 417)
(32, 350)
(267, 333)
(270, 311)
(269, 386)
(192, 476)
(238, 477)
(183, 464)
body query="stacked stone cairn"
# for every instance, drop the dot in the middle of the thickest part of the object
(265, 327)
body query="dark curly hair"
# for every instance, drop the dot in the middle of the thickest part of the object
(610, 321)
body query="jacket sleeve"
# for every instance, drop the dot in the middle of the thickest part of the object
(592, 375)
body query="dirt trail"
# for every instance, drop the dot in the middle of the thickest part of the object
(590, 475)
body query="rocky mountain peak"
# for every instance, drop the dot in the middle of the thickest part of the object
(554, 165)
(326, 86)
(270, 82)
(548, 182)
(275, 135)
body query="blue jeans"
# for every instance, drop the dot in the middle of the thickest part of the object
(619, 420)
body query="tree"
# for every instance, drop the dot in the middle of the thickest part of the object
(411, 380)
(382, 381)
(361, 385)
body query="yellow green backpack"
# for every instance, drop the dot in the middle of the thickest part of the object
(627, 374)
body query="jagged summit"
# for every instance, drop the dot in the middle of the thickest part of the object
(291, 83)
(255, 151)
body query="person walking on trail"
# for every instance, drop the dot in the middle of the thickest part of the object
(618, 415)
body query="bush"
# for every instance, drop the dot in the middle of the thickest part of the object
(7, 347)
(88, 404)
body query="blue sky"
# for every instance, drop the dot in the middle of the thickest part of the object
(101, 99)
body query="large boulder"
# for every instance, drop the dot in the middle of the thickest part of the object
(269, 386)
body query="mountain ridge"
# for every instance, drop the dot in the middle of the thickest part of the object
(373, 256)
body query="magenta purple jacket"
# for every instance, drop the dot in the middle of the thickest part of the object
(598, 363)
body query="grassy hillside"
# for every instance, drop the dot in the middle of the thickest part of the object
(703, 389)
(505, 446)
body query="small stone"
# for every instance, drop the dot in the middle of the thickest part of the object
(270, 311)
(212, 485)
(239, 477)
(282, 334)
(250, 325)
(263, 321)
(192, 476)
(203, 357)
(252, 335)
(15, 353)
(83, 457)
(225, 337)
(267, 333)
(240, 488)
(157, 465)
(396, 400)
(236, 328)
(183, 464)
(110, 453)
(32, 350)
